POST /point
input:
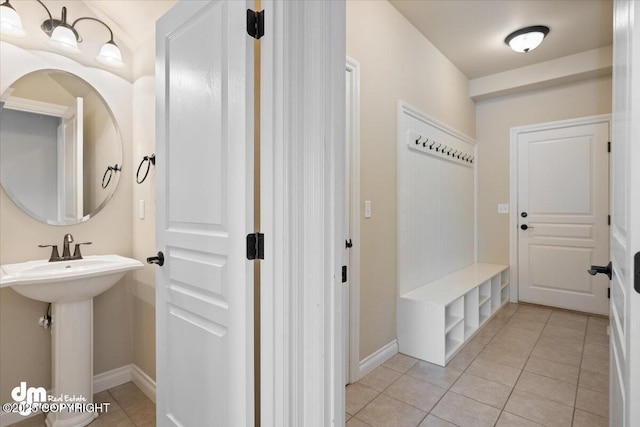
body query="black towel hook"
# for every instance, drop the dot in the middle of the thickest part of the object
(108, 174)
(151, 160)
(424, 144)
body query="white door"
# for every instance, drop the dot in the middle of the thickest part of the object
(563, 207)
(204, 291)
(346, 324)
(624, 384)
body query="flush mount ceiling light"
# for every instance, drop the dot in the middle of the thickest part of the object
(527, 39)
(62, 36)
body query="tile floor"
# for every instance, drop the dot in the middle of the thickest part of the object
(130, 407)
(529, 366)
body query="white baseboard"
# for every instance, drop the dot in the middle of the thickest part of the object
(376, 359)
(144, 382)
(112, 378)
(101, 382)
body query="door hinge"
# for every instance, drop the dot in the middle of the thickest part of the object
(609, 293)
(255, 246)
(636, 272)
(609, 147)
(255, 23)
(609, 219)
(344, 274)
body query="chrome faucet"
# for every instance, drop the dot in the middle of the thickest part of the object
(66, 252)
(66, 241)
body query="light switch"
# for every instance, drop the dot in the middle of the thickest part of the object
(367, 208)
(503, 208)
(141, 209)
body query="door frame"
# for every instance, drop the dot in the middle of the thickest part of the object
(353, 68)
(513, 185)
(302, 190)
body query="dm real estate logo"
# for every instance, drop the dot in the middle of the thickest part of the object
(32, 396)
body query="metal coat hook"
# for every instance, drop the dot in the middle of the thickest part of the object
(424, 144)
(432, 144)
(418, 140)
(151, 160)
(438, 147)
(454, 153)
(108, 174)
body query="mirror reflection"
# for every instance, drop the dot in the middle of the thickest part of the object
(60, 148)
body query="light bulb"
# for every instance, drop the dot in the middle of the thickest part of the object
(110, 55)
(526, 42)
(10, 23)
(64, 39)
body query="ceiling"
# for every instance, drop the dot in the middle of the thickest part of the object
(471, 33)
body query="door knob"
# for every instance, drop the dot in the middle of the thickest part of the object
(595, 269)
(525, 227)
(159, 259)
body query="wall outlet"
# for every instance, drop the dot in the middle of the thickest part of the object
(367, 208)
(503, 208)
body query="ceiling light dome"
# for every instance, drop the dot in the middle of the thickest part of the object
(527, 39)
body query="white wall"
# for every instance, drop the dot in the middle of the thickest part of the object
(396, 63)
(494, 119)
(144, 230)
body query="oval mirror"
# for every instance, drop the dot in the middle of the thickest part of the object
(60, 147)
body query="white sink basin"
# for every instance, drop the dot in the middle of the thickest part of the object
(70, 286)
(66, 281)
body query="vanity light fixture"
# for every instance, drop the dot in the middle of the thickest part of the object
(62, 36)
(527, 39)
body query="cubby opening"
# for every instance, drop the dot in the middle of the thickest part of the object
(495, 293)
(505, 295)
(454, 339)
(471, 313)
(454, 314)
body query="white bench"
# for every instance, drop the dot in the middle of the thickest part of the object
(435, 319)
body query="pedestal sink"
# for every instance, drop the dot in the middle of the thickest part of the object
(70, 286)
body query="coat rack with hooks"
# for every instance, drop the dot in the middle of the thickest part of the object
(421, 142)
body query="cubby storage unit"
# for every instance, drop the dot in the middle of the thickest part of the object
(434, 320)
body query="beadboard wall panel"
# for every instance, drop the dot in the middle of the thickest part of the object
(436, 199)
